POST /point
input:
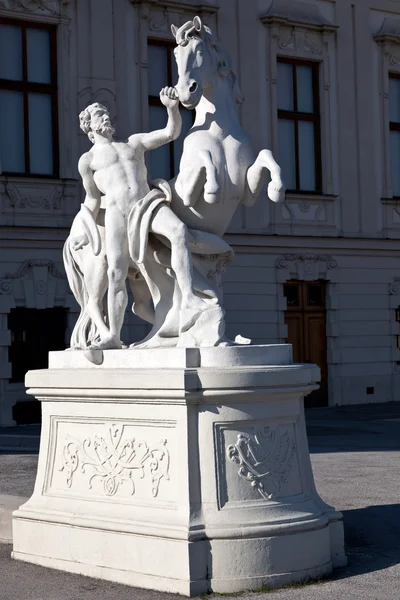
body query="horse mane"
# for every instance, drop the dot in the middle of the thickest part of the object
(190, 30)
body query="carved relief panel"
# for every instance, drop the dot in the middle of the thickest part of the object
(131, 460)
(257, 462)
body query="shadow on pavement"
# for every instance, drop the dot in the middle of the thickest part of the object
(372, 539)
(361, 428)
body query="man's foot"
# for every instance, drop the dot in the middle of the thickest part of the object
(107, 343)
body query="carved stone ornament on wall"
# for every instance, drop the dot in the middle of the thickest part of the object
(160, 14)
(49, 201)
(265, 459)
(114, 459)
(297, 25)
(52, 7)
(394, 287)
(306, 267)
(8, 278)
(283, 261)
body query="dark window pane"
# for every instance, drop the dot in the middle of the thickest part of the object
(395, 161)
(12, 132)
(157, 68)
(394, 99)
(291, 293)
(159, 159)
(287, 152)
(10, 52)
(285, 86)
(305, 97)
(40, 134)
(315, 295)
(174, 69)
(307, 156)
(38, 50)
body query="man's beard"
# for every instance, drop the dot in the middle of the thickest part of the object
(105, 130)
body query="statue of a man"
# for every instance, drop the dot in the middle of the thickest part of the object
(117, 171)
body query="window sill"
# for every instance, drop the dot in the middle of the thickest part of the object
(395, 201)
(310, 196)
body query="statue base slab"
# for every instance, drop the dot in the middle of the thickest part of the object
(180, 470)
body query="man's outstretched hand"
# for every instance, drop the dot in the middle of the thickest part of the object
(169, 97)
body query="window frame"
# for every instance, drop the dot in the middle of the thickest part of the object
(315, 117)
(26, 87)
(393, 126)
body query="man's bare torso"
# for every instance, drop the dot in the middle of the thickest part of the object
(120, 174)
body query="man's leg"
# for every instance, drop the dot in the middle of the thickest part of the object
(118, 262)
(166, 223)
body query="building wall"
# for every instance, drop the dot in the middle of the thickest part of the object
(347, 235)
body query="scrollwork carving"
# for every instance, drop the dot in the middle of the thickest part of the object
(159, 24)
(50, 6)
(6, 281)
(114, 459)
(283, 261)
(18, 200)
(394, 287)
(265, 459)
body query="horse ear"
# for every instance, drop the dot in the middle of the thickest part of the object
(174, 30)
(197, 24)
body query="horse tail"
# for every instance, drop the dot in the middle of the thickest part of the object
(85, 331)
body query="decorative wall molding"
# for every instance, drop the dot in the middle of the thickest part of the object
(35, 8)
(114, 459)
(7, 280)
(394, 287)
(200, 8)
(306, 267)
(290, 13)
(265, 459)
(389, 32)
(17, 199)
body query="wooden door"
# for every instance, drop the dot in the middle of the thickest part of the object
(306, 320)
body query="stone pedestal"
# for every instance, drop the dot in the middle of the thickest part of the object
(182, 470)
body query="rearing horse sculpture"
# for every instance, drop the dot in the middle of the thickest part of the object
(218, 169)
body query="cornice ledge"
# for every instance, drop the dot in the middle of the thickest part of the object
(389, 32)
(292, 13)
(180, 5)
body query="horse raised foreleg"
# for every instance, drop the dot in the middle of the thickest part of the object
(256, 179)
(201, 178)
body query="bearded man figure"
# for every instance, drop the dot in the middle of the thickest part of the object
(117, 171)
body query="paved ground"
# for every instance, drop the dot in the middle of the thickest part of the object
(355, 453)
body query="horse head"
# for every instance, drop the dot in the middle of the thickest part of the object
(201, 59)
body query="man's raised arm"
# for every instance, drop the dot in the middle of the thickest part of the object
(149, 141)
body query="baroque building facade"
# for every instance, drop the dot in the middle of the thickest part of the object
(321, 80)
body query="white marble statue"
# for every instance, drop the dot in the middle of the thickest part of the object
(167, 240)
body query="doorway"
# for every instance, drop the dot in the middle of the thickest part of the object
(306, 320)
(34, 333)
